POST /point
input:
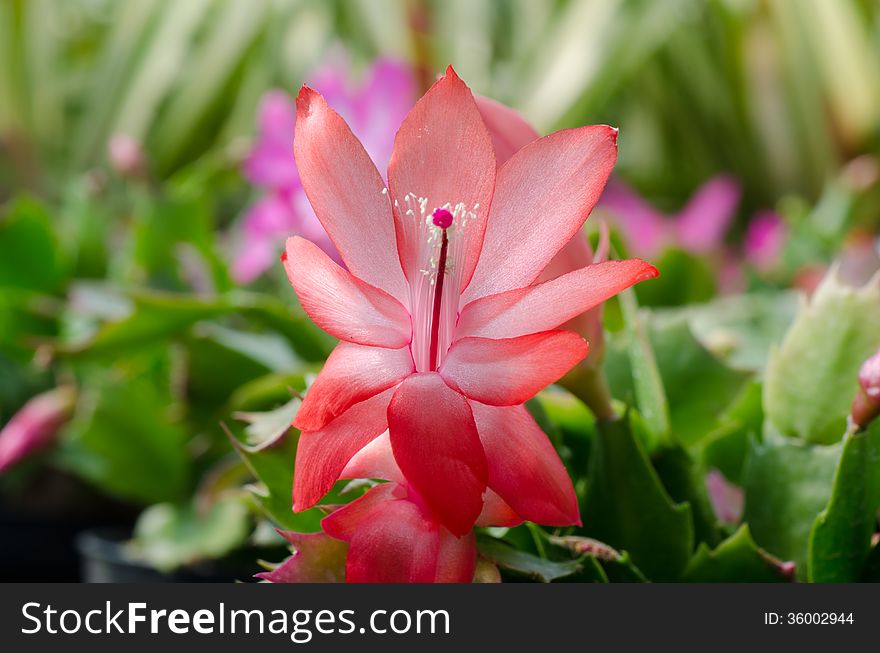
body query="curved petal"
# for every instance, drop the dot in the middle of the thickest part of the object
(351, 374)
(509, 131)
(396, 543)
(524, 468)
(702, 224)
(456, 558)
(347, 193)
(547, 305)
(322, 455)
(340, 303)
(376, 460)
(645, 229)
(345, 522)
(543, 195)
(436, 446)
(496, 512)
(443, 154)
(511, 371)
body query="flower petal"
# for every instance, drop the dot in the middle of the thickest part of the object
(509, 131)
(437, 448)
(443, 153)
(543, 194)
(496, 512)
(511, 371)
(390, 541)
(351, 374)
(340, 303)
(322, 455)
(456, 558)
(703, 222)
(549, 304)
(645, 229)
(524, 468)
(346, 191)
(345, 522)
(376, 460)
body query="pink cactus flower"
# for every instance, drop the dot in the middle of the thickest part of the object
(728, 500)
(698, 228)
(764, 240)
(444, 329)
(866, 405)
(374, 110)
(35, 426)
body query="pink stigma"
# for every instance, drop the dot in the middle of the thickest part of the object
(442, 218)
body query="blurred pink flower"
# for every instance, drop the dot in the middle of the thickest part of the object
(764, 240)
(866, 405)
(35, 426)
(698, 228)
(373, 109)
(727, 499)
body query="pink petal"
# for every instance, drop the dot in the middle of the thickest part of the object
(399, 545)
(524, 468)
(727, 499)
(702, 224)
(381, 106)
(376, 460)
(644, 228)
(270, 163)
(318, 558)
(543, 194)
(509, 131)
(496, 512)
(322, 455)
(575, 255)
(457, 558)
(765, 239)
(346, 191)
(340, 303)
(36, 425)
(345, 522)
(391, 541)
(351, 374)
(437, 448)
(549, 304)
(511, 371)
(443, 153)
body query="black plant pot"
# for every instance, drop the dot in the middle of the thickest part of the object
(104, 559)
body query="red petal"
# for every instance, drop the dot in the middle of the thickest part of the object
(509, 131)
(322, 455)
(524, 468)
(376, 460)
(511, 371)
(457, 558)
(346, 192)
(549, 304)
(443, 153)
(397, 543)
(351, 374)
(496, 512)
(340, 303)
(436, 445)
(345, 522)
(543, 194)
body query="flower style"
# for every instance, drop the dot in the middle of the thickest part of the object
(374, 110)
(445, 330)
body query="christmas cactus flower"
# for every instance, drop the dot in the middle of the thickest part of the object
(374, 109)
(444, 326)
(866, 405)
(35, 426)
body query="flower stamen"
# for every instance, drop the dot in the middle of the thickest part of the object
(441, 218)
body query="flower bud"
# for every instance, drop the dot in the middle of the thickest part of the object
(866, 405)
(126, 156)
(35, 426)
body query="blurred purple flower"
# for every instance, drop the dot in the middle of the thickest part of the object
(727, 499)
(698, 228)
(35, 426)
(764, 240)
(373, 109)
